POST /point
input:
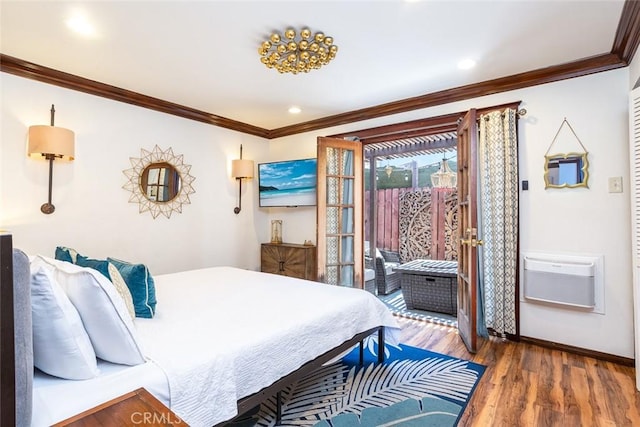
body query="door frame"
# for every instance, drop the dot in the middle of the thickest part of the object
(426, 127)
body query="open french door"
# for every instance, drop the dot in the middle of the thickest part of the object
(468, 226)
(340, 212)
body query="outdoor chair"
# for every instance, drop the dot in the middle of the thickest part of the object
(387, 280)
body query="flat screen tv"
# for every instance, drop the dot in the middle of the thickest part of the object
(287, 183)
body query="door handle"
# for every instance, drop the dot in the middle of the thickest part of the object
(473, 242)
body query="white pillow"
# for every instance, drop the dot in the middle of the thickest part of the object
(61, 346)
(102, 310)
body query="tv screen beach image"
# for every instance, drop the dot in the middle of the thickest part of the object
(287, 183)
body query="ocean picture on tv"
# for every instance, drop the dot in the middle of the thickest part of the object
(287, 183)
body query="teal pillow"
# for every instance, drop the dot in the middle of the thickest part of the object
(141, 285)
(66, 254)
(102, 265)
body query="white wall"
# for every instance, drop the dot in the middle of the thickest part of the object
(92, 210)
(578, 221)
(93, 215)
(634, 71)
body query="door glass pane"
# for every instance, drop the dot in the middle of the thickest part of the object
(332, 251)
(333, 155)
(339, 218)
(347, 191)
(347, 249)
(333, 190)
(332, 275)
(333, 220)
(347, 220)
(346, 276)
(347, 162)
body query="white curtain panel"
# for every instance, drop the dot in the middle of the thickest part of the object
(498, 218)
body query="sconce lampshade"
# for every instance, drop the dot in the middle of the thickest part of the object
(242, 168)
(57, 141)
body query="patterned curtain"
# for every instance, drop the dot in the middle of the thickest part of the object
(498, 220)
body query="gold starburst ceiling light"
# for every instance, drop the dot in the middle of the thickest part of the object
(297, 52)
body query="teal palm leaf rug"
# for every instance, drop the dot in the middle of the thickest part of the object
(414, 387)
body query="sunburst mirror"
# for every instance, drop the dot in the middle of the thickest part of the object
(159, 182)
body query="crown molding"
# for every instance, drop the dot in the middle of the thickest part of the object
(583, 67)
(625, 45)
(627, 36)
(22, 68)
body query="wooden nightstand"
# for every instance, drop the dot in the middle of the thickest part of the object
(138, 407)
(288, 259)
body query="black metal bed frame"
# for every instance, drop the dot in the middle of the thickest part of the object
(249, 402)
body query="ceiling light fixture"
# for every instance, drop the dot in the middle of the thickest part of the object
(81, 25)
(466, 64)
(295, 110)
(297, 52)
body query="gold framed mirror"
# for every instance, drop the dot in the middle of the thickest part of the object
(569, 170)
(159, 182)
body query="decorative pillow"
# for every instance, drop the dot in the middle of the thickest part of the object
(103, 312)
(123, 290)
(61, 346)
(111, 273)
(140, 284)
(102, 265)
(66, 254)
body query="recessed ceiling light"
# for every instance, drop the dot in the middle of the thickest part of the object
(79, 23)
(295, 110)
(466, 64)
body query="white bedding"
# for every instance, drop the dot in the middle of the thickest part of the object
(222, 333)
(55, 399)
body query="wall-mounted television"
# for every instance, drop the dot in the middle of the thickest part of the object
(287, 183)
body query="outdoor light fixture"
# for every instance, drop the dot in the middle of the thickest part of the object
(444, 177)
(241, 169)
(51, 143)
(389, 170)
(297, 52)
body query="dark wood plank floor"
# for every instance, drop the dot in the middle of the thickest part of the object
(528, 385)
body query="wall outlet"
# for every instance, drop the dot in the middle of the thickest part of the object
(615, 184)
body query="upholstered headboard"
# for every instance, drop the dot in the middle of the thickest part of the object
(23, 334)
(16, 402)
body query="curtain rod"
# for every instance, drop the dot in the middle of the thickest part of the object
(519, 113)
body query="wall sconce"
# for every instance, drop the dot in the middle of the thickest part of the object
(51, 143)
(241, 169)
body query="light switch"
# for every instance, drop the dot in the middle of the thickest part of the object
(615, 184)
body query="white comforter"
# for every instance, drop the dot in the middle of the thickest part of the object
(223, 333)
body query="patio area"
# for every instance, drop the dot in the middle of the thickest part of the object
(395, 302)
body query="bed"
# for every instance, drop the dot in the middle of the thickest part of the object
(222, 340)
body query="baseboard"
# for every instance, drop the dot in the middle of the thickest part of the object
(625, 361)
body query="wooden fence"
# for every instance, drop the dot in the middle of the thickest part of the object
(388, 220)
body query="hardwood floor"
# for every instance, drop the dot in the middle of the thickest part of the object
(528, 385)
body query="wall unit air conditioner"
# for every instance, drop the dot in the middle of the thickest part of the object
(556, 280)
